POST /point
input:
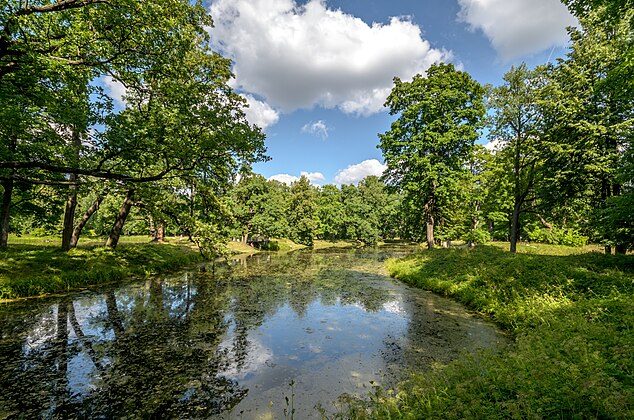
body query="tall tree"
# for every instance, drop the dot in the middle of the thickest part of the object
(430, 143)
(516, 124)
(303, 214)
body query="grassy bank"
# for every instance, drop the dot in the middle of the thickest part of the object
(34, 267)
(572, 317)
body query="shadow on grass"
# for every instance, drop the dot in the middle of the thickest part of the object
(31, 270)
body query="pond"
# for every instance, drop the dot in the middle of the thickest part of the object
(257, 338)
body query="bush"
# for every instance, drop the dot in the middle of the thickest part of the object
(557, 236)
(478, 236)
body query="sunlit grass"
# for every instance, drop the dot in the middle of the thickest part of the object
(571, 312)
(36, 266)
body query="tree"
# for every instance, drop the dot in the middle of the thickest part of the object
(331, 213)
(516, 124)
(429, 145)
(303, 215)
(259, 206)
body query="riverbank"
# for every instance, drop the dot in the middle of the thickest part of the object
(34, 267)
(572, 319)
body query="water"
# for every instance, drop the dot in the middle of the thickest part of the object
(267, 334)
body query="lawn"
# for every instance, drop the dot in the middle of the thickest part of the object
(571, 314)
(34, 266)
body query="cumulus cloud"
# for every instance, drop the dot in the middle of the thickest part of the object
(260, 113)
(355, 173)
(284, 178)
(314, 177)
(519, 27)
(317, 128)
(115, 90)
(299, 56)
(494, 145)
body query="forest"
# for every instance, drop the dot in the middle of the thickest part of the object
(177, 158)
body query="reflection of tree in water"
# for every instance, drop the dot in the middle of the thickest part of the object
(154, 351)
(166, 363)
(156, 356)
(265, 282)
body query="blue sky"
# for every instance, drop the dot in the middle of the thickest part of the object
(316, 73)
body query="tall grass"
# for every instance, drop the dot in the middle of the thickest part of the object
(572, 317)
(36, 267)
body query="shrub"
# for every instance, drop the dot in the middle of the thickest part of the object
(478, 236)
(557, 236)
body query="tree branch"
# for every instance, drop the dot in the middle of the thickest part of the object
(58, 6)
(88, 172)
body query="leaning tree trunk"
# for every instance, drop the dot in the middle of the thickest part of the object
(84, 219)
(7, 184)
(115, 234)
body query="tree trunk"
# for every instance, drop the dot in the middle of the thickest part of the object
(160, 232)
(621, 249)
(429, 221)
(7, 184)
(84, 219)
(71, 202)
(608, 249)
(515, 227)
(69, 216)
(115, 234)
(114, 317)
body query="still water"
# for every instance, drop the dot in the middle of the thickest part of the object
(257, 338)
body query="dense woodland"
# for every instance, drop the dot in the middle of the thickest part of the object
(176, 159)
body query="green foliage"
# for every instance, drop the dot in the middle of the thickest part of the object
(429, 145)
(478, 236)
(271, 246)
(303, 217)
(570, 314)
(557, 236)
(211, 240)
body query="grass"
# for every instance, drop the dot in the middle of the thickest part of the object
(36, 266)
(572, 316)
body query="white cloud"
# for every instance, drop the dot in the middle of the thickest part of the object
(355, 173)
(260, 113)
(284, 178)
(115, 90)
(317, 128)
(518, 27)
(494, 145)
(299, 56)
(313, 177)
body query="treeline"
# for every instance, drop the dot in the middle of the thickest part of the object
(561, 168)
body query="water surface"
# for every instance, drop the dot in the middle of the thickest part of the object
(263, 335)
